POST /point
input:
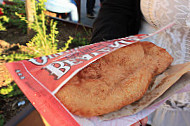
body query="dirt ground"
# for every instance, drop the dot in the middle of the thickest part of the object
(9, 41)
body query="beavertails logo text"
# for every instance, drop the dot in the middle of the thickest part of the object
(75, 57)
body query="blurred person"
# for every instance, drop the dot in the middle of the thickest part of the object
(117, 19)
(63, 6)
(90, 8)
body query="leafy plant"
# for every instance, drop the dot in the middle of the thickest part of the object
(79, 40)
(3, 19)
(10, 90)
(18, 7)
(16, 56)
(9, 11)
(43, 43)
(1, 120)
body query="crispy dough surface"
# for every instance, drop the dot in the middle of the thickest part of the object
(115, 80)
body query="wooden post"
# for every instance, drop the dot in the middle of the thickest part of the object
(29, 6)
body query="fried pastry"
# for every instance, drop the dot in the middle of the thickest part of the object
(115, 80)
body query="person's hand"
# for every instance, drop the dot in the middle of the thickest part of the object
(141, 122)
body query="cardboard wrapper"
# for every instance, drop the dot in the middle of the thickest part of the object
(40, 78)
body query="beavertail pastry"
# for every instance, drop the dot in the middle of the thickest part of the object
(115, 80)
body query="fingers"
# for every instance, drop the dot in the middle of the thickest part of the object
(136, 124)
(144, 121)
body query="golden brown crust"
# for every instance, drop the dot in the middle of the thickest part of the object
(115, 80)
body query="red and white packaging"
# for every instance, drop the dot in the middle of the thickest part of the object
(40, 78)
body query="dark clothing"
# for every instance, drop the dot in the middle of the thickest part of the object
(101, 1)
(116, 19)
(90, 6)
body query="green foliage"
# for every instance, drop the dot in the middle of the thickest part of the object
(66, 44)
(16, 56)
(9, 11)
(43, 43)
(79, 40)
(18, 7)
(1, 120)
(3, 19)
(10, 90)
